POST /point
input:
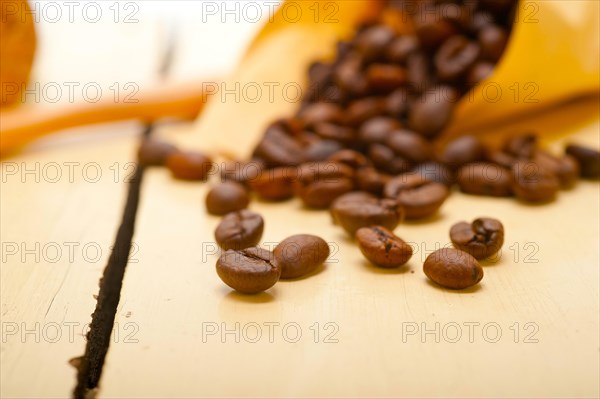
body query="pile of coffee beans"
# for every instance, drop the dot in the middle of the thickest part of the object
(363, 144)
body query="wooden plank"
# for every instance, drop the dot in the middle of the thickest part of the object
(58, 223)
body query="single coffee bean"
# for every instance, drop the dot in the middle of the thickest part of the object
(373, 41)
(349, 77)
(482, 238)
(376, 130)
(189, 165)
(351, 158)
(385, 78)
(242, 172)
(534, 183)
(419, 72)
(485, 179)
(400, 48)
(588, 159)
(249, 271)
(330, 131)
(419, 197)
(436, 172)
(321, 150)
(431, 29)
(239, 230)
(386, 160)
(396, 104)
(320, 183)
(410, 146)
(460, 151)
(154, 152)
(360, 111)
(432, 112)
(480, 72)
(565, 168)
(522, 146)
(382, 247)
(452, 268)
(300, 255)
(455, 57)
(355, 210)
(275, 184)
(279, 148)
(371, 181)
(501, 158)
(493, 40)
(321, 112)
(226, 197)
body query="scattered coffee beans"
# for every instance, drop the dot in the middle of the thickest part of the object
(226, 197)
(300, 255)
(248, 271)
(482, 238)
(452, 268)
(382, 247)
(189, 165)
(239, 230)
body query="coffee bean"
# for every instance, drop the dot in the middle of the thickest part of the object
(321, 150)
(480, 72)
(373, 41)
(460, 151)
(400, 48)
(419, 72)
(431, 29)
(485, 179)
(351, 158)
(349, 77)
(565, 168)
(239, 230)
(249, 271)
(242, 172)
(436, 172)
(501, 158)
(360, 111)
(279, 148)
(355, 210)
(482, 238)
(396, 104)
(493, 40)
(300, 255)
(321, 112)
(410, 146)
(522, 146)
(226, 197)
(385, 78)
(452, 268)
(154, 152)
(432, 112)
(330, 131)
(533, 183)
(376, 130)
(189, 165)
(320, 183)
(275, 184)
(455, 57)
(382, 247)
(370, 180)
(419, 197)
(588, 159)
(385, 159)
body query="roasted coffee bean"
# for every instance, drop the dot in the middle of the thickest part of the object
(479, 72)
(431, 29)
(300, 255)
(435, 172)
(189, 165)
(382, 247)
(355, 210)
(321, 112)
(522, 146)
(588, 159)
(275, 184)
(249, 271)
(385, 78)
(482, 238)
(241, 172)
(376, 130)
(455, 57)
(501, 158)
(239, 230)
(373, 41)
(279, 148)
(396, 104)
(460, 151)
(565, 168)
(349, 77)
(227, 197)
(360, 111)
(330, 131)
(534, 183)
(320, 183)
(419, 72)
(154, 152)
(410, 146)
(418, 197)
(370, 180)
(485, 179)
(452, 268)
(492, 40)
(385, 159)
(432, 112)
(321, 150)
(400, 48)
(350, 158)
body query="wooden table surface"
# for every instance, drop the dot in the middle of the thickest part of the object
(530, 329)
